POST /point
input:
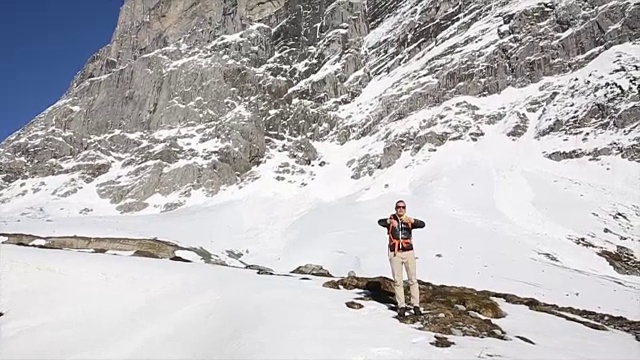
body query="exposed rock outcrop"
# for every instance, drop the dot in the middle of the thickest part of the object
(458, 311)
(448, 310)
(312, 269)
(622, 259)
(152, 248)
(262, 270)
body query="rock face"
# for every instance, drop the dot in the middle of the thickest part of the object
(191, 96)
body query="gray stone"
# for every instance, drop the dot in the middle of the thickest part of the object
(303, 152)
(312, 269)
(366, 165)
(628, 117)
(262, 269)
(172, 206)
(390, 154)
(354, 305)
(132, 206)
(520, 127)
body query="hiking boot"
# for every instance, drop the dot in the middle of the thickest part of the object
(416, 310)
(402, 311)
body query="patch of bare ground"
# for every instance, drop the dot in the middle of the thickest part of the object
(462, 311)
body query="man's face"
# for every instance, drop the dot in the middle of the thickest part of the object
(401, 208)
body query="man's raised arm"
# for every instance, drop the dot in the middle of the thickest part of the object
(418, 224)
(384, 222)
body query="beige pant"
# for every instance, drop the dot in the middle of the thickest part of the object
(408, 260)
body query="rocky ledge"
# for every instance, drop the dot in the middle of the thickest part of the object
(151, 248)
(462, 311)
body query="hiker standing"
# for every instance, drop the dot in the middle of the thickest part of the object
(400, 250)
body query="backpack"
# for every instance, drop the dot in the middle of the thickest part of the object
(396, 242)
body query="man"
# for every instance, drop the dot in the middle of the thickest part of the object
(400, 251)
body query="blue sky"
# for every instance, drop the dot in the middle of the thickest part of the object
(44, 43)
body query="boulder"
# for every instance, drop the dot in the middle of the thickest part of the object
(354, 305)
(441, 341)
(261, 269)
(312, 269)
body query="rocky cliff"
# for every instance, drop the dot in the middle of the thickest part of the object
(194, 96)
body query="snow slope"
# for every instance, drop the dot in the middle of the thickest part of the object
(493, 209)
(90, 306)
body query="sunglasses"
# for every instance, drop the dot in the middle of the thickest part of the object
(401, 207)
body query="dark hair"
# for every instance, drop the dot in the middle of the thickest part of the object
(400, 201)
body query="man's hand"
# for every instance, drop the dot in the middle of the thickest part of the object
(409, 219)
(393, 222)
